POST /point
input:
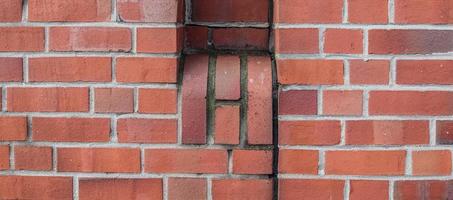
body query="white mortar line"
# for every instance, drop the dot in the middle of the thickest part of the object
(24, 12)
(322, 32)
(365, 102)
(345, 16)
(320, 101)
(391, 189)
(93, 24)
(165, 187)
(408, 164)
(321, 162)
(209, 188)
(346, 72)
(347, 189)
(391, 11)
(4, 99)
(114, 11)
(365, 42)
(87, 54)
(419, 88)
(360, 177)
(423, 27)
(434, 56)
(343, 132)
(136, 99)
(12, 163)
(75, 189)
(25, 70)
(368, 147)
(393, 72)
(134, 40)
(46, 39)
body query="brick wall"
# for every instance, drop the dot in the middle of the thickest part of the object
(226, 99)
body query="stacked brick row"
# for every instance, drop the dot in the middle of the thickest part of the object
(365, 100)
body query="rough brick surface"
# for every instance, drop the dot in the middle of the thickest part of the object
(4, 157)
(310, 72)
(22, 39)
(147, 130)
(187, 188)
(30, 187)
(229, 189)
(33, 158)
(69, 10)
(13, 128)
(10, 10)
(252, 162)
(311, 189)
(11, 69)
(114, 100)
(120, 189)
(150, 10)
(309, 132)
(146, 70)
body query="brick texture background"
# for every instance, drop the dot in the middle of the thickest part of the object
(226, 99)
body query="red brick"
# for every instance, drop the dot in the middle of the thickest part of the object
(21, 39)
(227, 124)
(194, 88)
(150, 10)
(10, 69)
(159, 40)
(424, 72)
(298, 102)
(310, 72)
(434, 12)
(90, 39)
(147, 130)
(71, 129)
(196, 37)
(229, 11)
(146, 70)
(298, 161)
(252, 161)
(370, 190)
(410, 103)
(187, 188)
(240, 38)
(11, 10)
(33, 158)
(13, 128)
(423, 189)
(343, 41)
(369, 72)
(410, 41)
(69, 10)
(104, 160)
(228, 78)
(368, 12)
(444, 132)
(4, 157)
(309, 132)
(162, 101)
(208, 161)
(310, 189)
(384, 163)
(342, 102)
(70, 69)
(292, 40)
(308, 11)
(231, 189)
(35, 187)
(431, 163)
(114, 100)
(116, 189)
(37, 99)
(259, 111)
(369, 132)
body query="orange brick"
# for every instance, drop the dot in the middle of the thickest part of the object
(370, 190)
(298, 161)
(342, 102)
(146, 70)
(151, 10)
(38, 99)
(252, 161)
(229, 189)
(290, 189)
(70, 69)
(434, 12)
(310, 72)
(291, 40)
(431, 163)
(228, 78)
(209, 161)
(13, 128)
(4, 157)
(90, 39)
(21, 39)
(368, 11)
(159, 40)
(309, 132)
(240, 38)
(308, 11)
(116, 189)
(120, 160)
(35, 187)
(134, 130)
(343, 41)
(114, 100)
(11, 10)
(10, 69)
(187, 188)
(33, 158)
(383, 132)
(161, 101)
(71, 129)
(69, 10)
(369, 72)
(227, 122)
(422, 189)
(384, 163)
(424, 72)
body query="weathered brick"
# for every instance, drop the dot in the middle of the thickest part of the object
(259, 111)
(298, 161)
(292, 40)
(342, 102)
(431, 163)
(33, 158)
(343, 41)
(69, 10)
(444, 132)
(10, 10)
(21, 39)
(146, 70)
(150, 10)
(229, 189)
(89, 39)
(369, 72)
(228, 78)
(424, 72)
(240, 38)
(159, 40)
(187, 188)
(227, 122)
(368, 11)
(433, 12)
(161, 101)
(308, 11)
(371, 190)
(230, 11)
(298, 102)
(11, 69)
(423, 189)
(13, 128)
(114, 100)
(310, 189)
(4, 157)
(252, 161)
(35, 187)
